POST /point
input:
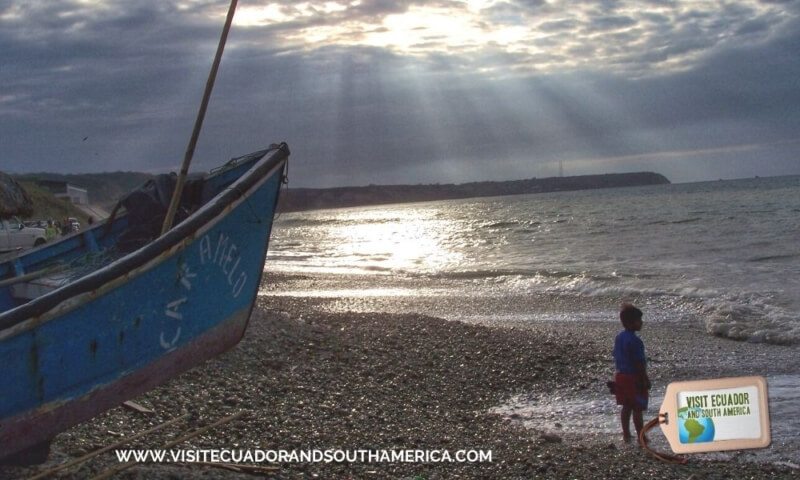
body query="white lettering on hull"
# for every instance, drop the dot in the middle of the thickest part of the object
(225, 255)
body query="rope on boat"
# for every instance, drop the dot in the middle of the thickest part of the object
(85, 264)
(284, 186)
(283, 191)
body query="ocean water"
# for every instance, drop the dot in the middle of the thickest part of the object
(726, 252)
(723, 256)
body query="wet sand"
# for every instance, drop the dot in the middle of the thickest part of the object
(311, 378)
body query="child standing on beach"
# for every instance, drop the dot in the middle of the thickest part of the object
(631, 383)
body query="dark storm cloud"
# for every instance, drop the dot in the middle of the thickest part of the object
(73, 72)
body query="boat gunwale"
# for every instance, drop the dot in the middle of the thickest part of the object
(31, 314)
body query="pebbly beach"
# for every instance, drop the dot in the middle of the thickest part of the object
(311, 375)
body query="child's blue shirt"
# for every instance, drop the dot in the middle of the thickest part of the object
(628, 350)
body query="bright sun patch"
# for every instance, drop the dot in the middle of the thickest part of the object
(540, 36)
(261, 15)
(425, 28)
(275, 13)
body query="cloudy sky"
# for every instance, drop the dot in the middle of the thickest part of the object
(394, 91)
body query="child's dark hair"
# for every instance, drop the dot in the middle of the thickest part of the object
(628, 314)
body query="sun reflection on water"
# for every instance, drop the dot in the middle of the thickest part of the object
(391, 240)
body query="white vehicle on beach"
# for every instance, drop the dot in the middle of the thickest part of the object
(15, 235)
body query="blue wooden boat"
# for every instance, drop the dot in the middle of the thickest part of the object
(74, 345)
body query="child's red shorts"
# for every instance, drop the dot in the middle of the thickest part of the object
(630, 392)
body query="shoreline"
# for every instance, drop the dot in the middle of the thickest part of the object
(310, 379)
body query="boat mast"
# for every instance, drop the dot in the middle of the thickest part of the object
(187, 159)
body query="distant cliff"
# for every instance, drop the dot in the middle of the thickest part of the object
(106, 188)
(295, 199)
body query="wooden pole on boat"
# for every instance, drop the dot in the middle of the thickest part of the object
(187, 159)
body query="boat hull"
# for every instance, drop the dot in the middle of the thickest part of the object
(145, 318)
(41, 425)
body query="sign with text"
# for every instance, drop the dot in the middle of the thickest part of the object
(718, 414)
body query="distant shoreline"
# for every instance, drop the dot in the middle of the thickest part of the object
(104, 190)
(298, 199)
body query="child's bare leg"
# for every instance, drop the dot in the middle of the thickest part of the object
(638, 421)
(625, 418)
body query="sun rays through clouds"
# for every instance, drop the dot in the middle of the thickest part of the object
(410, 91)
(636, 38)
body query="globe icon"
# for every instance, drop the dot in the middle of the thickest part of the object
(693, 427)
